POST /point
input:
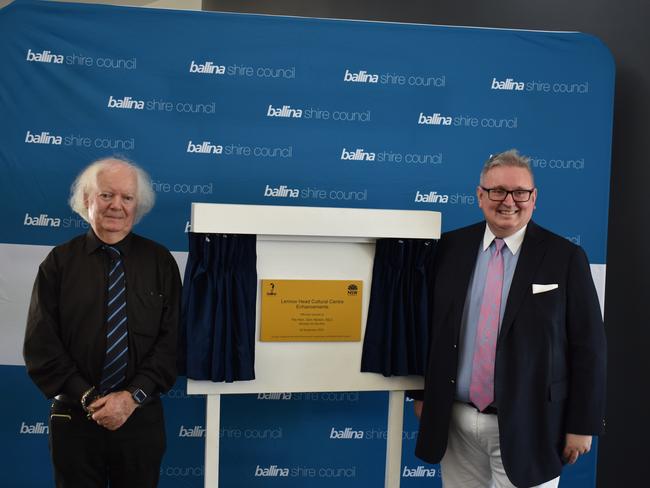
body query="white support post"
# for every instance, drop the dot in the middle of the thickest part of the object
(212, 429)
(394, 441)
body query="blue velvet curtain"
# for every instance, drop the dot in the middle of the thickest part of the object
(396, 338)
(217, 337)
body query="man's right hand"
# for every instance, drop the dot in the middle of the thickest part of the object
(417, 407)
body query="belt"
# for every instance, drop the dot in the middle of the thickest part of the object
(490, 409)
(71, 402)
(68, 401)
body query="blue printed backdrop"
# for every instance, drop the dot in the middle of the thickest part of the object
(271, 110)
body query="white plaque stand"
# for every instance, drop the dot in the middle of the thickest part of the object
(312, 243)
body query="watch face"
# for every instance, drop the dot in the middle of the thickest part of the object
(139, 396)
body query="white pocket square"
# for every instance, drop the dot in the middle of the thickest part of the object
(542, 288)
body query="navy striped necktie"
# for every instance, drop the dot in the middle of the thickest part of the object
(117, 340)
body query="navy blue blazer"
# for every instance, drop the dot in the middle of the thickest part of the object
(550, 359)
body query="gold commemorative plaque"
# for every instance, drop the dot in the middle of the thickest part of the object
(311, 311)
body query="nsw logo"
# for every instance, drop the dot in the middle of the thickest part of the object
(205, 147)
(430, 197)
(125, 103)
(37, 428)
(272, 471)
(284, 111)
(196, 431)
(347, 433)
(283, 191)
(43, 138)
(434, 119)
(361, 77)
(207, 68)
(44, 57)
(507, 84)
(357, 155)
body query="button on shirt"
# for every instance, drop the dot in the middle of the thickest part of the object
(471, 310)
(65, 338)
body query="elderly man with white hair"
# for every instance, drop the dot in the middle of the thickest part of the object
(101, 335)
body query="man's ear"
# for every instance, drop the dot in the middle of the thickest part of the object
(479, 194)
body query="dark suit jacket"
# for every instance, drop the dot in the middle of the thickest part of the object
(550, 359)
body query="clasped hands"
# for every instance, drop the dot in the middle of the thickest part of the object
(112, 410)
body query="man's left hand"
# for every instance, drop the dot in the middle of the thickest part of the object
(576, 445)
(112, 410)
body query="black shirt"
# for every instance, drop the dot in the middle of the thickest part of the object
(65, 339)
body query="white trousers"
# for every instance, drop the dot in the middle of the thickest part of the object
(473, 456)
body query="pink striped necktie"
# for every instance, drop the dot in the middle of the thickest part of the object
(481, 389)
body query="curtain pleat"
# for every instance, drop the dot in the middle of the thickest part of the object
(217, 339)
(395, 341)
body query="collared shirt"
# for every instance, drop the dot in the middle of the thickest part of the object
(471, 310)
(65, 338)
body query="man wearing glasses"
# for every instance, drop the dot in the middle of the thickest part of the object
(515, 383)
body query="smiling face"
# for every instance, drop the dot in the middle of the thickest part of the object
(506, 217)
(112, 203)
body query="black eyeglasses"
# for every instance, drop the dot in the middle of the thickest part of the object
(499, 194)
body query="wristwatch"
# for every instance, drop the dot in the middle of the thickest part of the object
(139, 396)
(88, 397)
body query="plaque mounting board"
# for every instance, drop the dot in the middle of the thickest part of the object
(312, 243)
